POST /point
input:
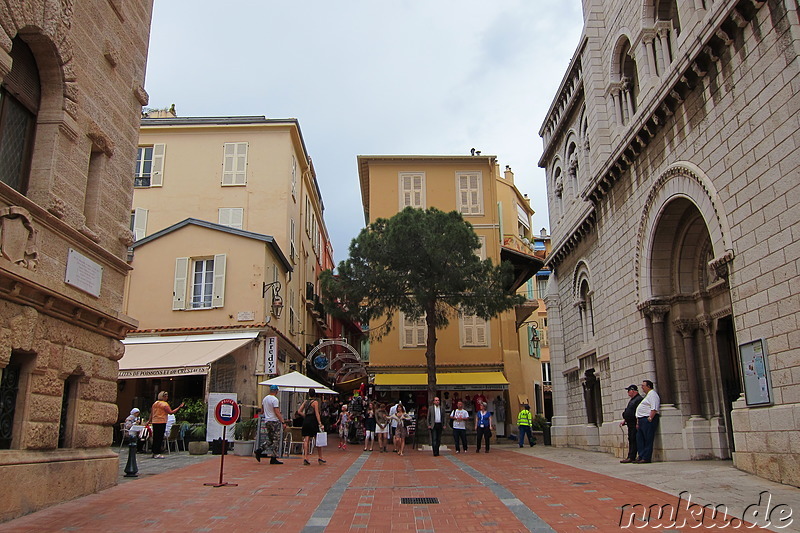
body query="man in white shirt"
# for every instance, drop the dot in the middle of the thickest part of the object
(435, 420)
(393, 426)
(647, 422)
(460, 417)
(273, 420)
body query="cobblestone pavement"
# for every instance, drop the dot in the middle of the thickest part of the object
(508, 490)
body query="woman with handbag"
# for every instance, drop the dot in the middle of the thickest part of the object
(402, 431)
(312, 424)
(483, 426)
(382, 427)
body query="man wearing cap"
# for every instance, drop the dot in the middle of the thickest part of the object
(629, 419)
(647, 422)
(272, 427)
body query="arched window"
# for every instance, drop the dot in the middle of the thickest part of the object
(558, 191)
(573, 166)
(629, 79)
(668, 27)
(19, 105)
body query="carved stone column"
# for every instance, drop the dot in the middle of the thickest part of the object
(656, 314)
(615, 97)
(687, 328)
(648, 36)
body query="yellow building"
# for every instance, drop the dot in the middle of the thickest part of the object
(474, 357)
(230, 241)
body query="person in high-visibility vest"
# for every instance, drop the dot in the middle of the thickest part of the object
(524, 421)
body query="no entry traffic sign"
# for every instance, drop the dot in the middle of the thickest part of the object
(227, 412)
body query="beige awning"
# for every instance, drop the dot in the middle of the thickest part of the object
(188, 355)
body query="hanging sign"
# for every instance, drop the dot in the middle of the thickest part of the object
(271, 356)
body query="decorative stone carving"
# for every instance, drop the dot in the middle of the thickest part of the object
(720, 264)
(93, 235)
(111, 54)
(57, 208)
(18, 241)
(125, 237)
(141, 95)
(100, 139)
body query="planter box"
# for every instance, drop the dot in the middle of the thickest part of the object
(244, 448)
(199, 447)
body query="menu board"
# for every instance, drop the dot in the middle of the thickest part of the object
(755, 373)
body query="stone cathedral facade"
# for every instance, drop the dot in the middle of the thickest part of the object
(671, 153)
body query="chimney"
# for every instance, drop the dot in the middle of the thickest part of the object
(509, 175)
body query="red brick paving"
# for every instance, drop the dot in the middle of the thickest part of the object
(284, 497)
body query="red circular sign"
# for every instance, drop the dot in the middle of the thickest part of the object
(227, 412)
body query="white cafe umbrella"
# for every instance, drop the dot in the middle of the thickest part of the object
(297, 382)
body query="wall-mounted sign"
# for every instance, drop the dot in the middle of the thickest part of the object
(245, 316)
(83, 273)
(755, 373)
(271, 355)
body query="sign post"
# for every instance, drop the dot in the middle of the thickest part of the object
(226, 413)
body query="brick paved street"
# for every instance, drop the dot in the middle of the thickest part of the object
(507, 490)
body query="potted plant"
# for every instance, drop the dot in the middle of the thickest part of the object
(199, 446)
(244, 434)
(540, 426)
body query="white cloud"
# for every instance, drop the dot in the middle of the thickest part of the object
(373, 77)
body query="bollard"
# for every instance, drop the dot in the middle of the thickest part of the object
(131, 468)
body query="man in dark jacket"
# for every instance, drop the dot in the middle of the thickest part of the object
(629, 419)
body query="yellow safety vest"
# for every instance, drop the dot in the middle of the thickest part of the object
(524, 418)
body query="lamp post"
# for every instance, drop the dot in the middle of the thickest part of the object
(534, 337)
(277, 301)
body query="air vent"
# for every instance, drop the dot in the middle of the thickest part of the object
(418, 501)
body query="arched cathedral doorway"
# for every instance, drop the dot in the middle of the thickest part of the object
(686, 299)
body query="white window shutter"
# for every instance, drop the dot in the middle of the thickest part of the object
(469, 336)
(218, 290)
(139, 223)
(241, 163)
(480, 332)
(422, 330)
(408, 333)
(157, 173)
(179, 287)
(234, 165)
(232, 217)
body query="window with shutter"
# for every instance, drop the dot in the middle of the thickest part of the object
(414, 333)
(231, 216)
(294, 176)
(218, 286)
(234, 166)
(474, 331)
(180, 284)
(470, 192)
(139, 223)
(143, 168)
(412, 189)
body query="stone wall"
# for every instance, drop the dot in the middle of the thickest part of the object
(62, 330)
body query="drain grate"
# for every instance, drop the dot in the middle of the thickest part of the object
(418, 501)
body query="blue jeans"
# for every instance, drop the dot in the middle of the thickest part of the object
(523, 430)
(645, 435)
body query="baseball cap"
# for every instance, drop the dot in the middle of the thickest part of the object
(632, 387)
(273, 387)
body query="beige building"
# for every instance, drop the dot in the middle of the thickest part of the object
(228, 219)
(70, 99)
(474, 356)
(672, 164)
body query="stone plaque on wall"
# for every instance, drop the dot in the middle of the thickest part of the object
(83, 273)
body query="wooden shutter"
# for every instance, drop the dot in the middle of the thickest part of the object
(218, 289)
(232, 217)
(179, 287)
(157, 168)
(412, 189)
(470, 197)
(474, 330)
(139, 223)
(234, 166)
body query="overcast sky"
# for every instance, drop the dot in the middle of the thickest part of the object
(373, 77)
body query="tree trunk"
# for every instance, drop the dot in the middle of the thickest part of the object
(430, 352)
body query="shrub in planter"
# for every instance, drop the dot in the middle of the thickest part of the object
(245, 429)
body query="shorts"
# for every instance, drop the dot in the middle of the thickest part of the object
(369, 434)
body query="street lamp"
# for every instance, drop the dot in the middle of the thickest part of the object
(534, 336)
(277, 301)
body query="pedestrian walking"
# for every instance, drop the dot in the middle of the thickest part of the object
(459, 416)
(312, 424)
(273, 421)
(343, 423)
(483, 426)
(369, 427)
(435, 424)
(382, 427)
(524, 425)
(402, 418)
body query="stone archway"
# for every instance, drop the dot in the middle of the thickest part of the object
(687, 300)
